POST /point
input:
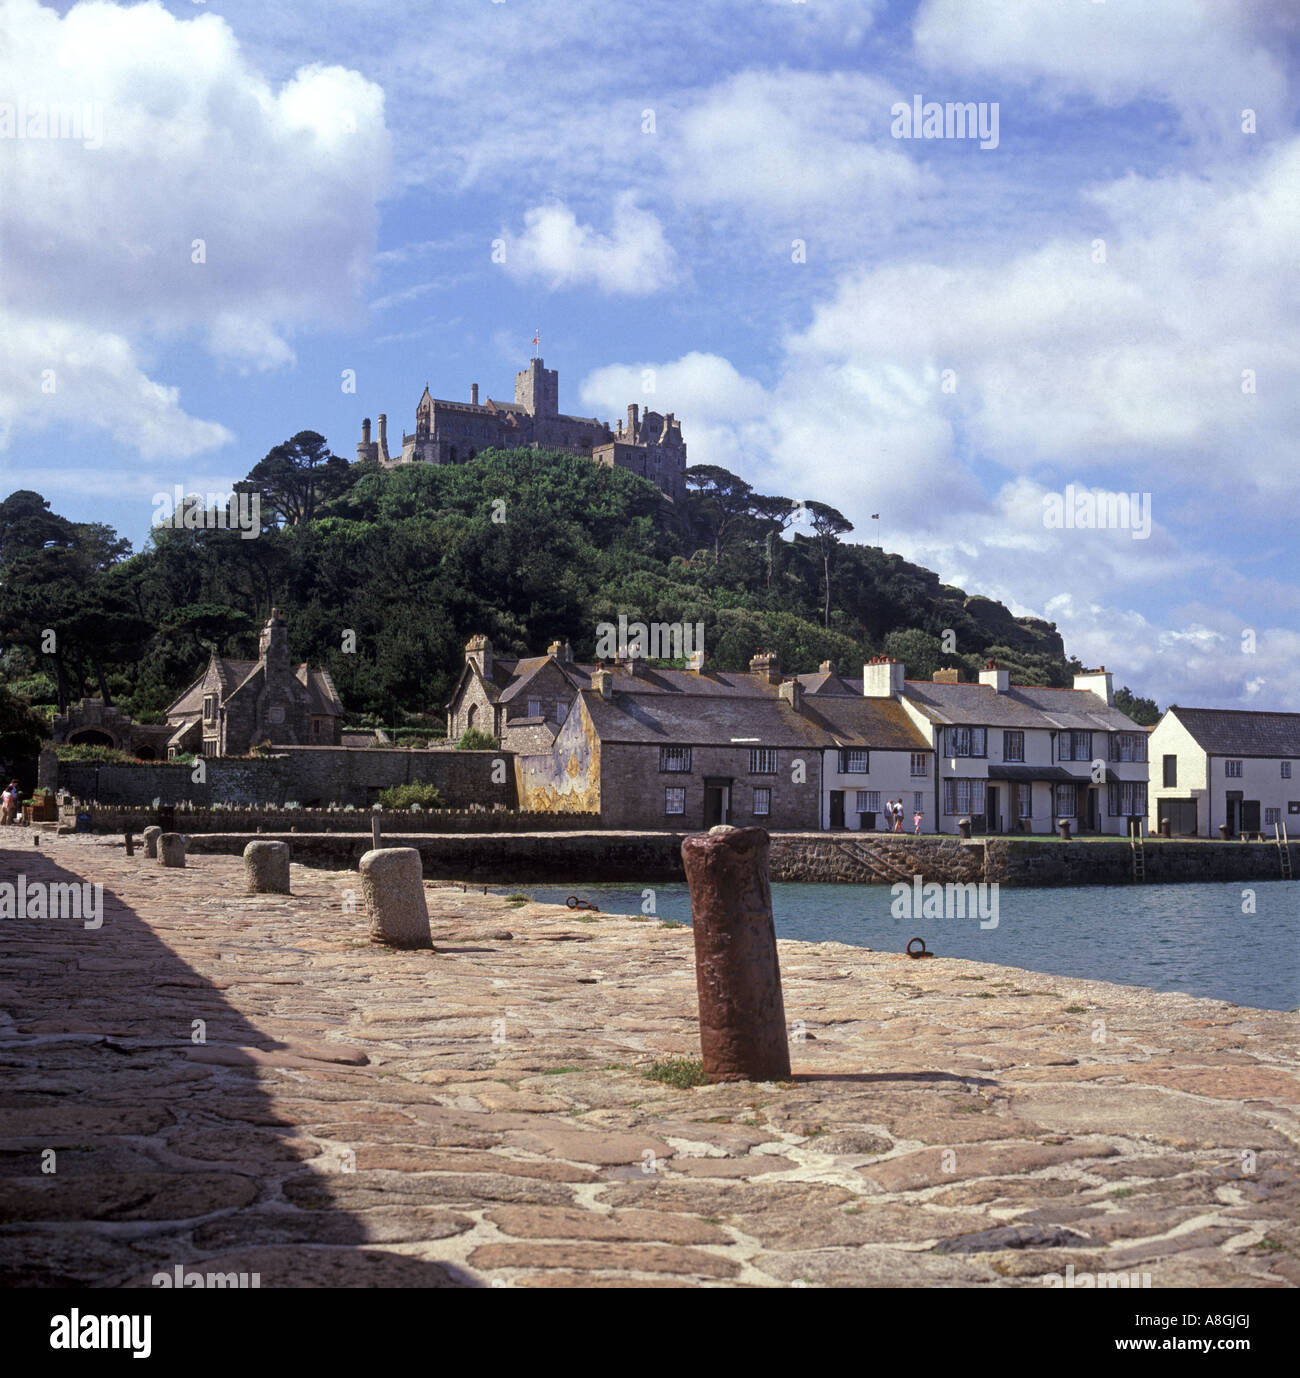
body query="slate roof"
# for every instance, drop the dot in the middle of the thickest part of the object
(701, 720)
(1023, 705)
(1241, 732)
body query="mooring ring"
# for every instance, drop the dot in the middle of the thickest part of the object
(922, 952)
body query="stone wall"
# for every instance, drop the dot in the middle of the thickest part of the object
(306, 775)
(116, 818)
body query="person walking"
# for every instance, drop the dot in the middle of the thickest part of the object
(916, 823)
(898, 816)
(10, 802)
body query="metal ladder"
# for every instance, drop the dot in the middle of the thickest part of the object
(1283, 849)
(1139, 853)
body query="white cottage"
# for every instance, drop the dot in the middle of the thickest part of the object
(1219, 766)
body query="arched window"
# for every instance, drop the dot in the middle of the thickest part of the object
(471, 716)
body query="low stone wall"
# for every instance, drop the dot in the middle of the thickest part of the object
(302, 775)
(492, 858)
(586, 857)
(109, 818)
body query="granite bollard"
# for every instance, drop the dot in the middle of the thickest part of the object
(266, 868)
(392, 885)
(737, 974)
(171, 849)
(151, 836)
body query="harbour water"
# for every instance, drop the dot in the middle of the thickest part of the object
(1190, 938)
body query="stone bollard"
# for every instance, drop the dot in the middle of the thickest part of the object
(1063, 828)
(171, 849)
(151, 836)
(963, 827)
(392, 884)
(737, 974)
(130, 843)
(266, 868)
(1166, 827)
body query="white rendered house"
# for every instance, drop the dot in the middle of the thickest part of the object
(1213, 766)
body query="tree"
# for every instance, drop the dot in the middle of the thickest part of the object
(296, 477)
(1143, 711)
(774, 514)
(719, 498)
(828, 526)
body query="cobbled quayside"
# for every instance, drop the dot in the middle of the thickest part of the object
(479, 1114)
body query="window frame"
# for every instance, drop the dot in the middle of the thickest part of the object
(763, 793)
(921, 758)
(1169, 771)
(759, 756)
(847, 753)
(669, 754)
(1229, 773)
(1016, 736)
(669, 792)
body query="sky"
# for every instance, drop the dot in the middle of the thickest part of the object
(271, 218)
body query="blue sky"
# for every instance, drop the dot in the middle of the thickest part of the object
(703, 208)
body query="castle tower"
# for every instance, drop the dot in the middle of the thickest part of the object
(537, 389)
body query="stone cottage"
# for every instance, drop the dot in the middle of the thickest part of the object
(238, 704)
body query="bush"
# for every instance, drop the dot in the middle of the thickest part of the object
(403, 796)
(99, 755)
(474, 740)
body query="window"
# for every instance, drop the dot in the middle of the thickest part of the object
(762, 803)
(918, 803)
(1128, 746)
(1013, 746)
(1272, 816)
(675, 758)
(1065, 797)
(1127, 798)
(963, 796)
(535, 708)
(674, 800)
(762, 760)
(1286, 770)
(209, 708)
(561, 710)
(868, 800)
(1023, 800)
(966, 741)
(1232, 769)
(209, 746)
(1170, 776)
(854, 763)
(920, 763)
(1074, 746)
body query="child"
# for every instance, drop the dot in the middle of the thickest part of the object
(916, 822)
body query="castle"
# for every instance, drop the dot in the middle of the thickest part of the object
(649, 445)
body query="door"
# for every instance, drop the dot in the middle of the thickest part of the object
(1233, 812)
(992, 811)
(1180, 814)
(717, 802)
(1094, 818)
(837, 808)
(1250, 815)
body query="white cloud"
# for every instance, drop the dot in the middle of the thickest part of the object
(279, 185)
(634, 259)
(1210, 59)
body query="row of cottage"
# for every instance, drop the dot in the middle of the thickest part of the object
(650, 747)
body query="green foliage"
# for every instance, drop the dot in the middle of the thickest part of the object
(526, 546)
(1142, 711)
(403, 796)
(474, 740)
(99, 755)
(680, 1072)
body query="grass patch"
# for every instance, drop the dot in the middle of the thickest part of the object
(560, 1071)
(671, 923)
(681, 1072)
(515, 900)
(984, 995)
(1121, 1192)
(587, 918)
(1076, 1009)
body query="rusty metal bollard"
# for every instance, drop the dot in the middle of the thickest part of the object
(737, 974)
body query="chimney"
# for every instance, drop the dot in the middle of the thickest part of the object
(882, 678)
(555, 650)
(995, 678)
(473, 394)
(633, 420)
(478, 652)
(952, 675)
(603, 683)
(383, 436)
(1098, 681)
(766, 665)
(792, 692)
(695, 662)
(365, 431)
(566, 652)
(827, 667)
